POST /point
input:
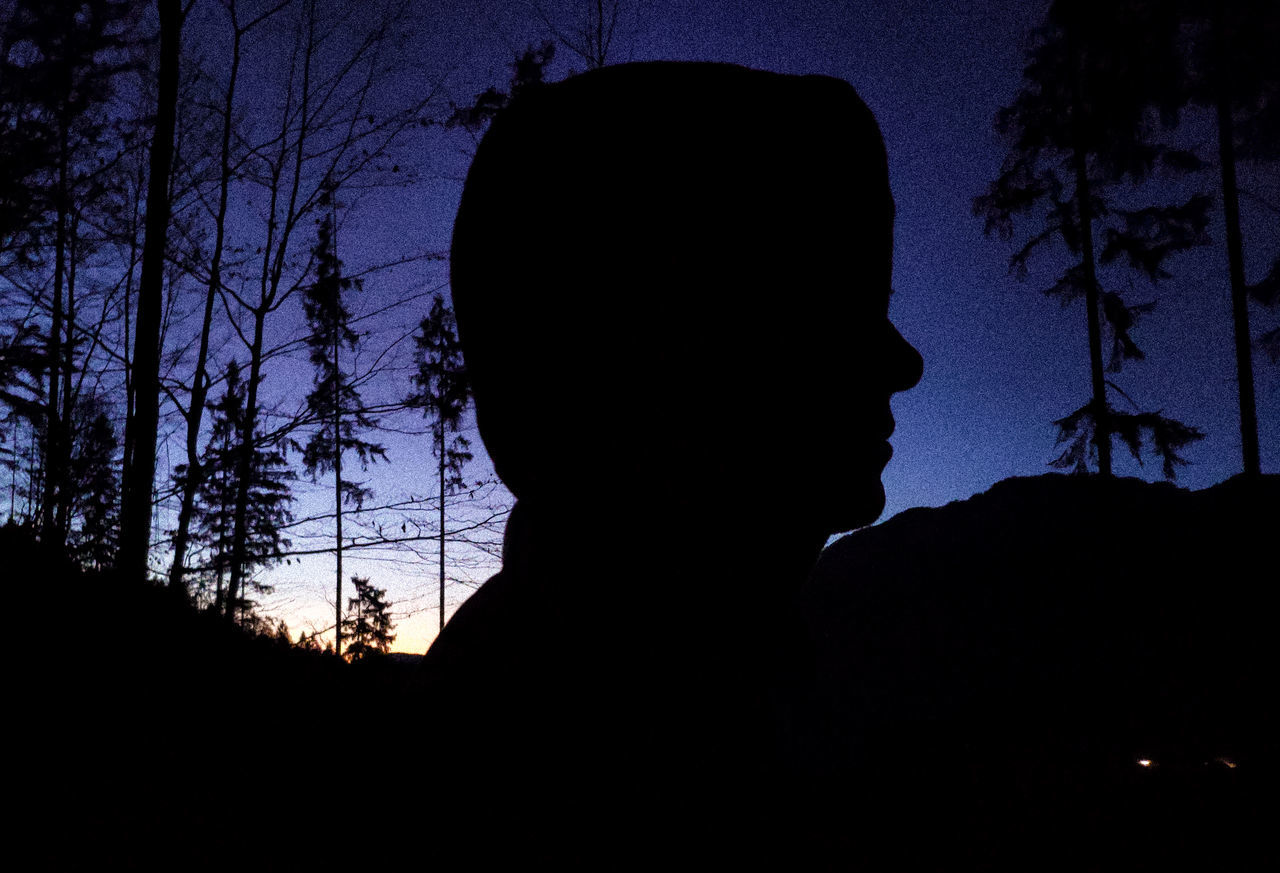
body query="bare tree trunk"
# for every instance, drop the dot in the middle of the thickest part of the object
(200, 381)
(600, 45)
(442, 526)
(244, 465)
(13, 475)
(337, 483)
(1101, 416)
(54, 438)
(33, 474)
(310, 143)
(62, 512)
(270, 283)
(1235, 252)
(337, 451)
(127, 460)
(135, 533)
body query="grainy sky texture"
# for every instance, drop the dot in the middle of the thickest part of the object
(1001, 360)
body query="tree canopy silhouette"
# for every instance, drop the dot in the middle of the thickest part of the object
(1081, 132)
(213, 515)
(334, 400)
(444, 393)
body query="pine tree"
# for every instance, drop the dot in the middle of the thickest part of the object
(1079, 129)
(444, 394)
(95, 478)
(334, 400)
(21, 366)
(309, 642)
(367, 625)
(213, 515)
(58, 63)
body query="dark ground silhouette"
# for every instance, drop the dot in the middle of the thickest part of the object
(999, 666)
(979, 696)
(147, 735)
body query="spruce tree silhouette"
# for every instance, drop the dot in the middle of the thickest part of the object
(671, 284)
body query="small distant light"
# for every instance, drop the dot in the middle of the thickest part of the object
(1144, 762)
(1230, 765)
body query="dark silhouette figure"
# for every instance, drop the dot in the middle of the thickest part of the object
(671, 284)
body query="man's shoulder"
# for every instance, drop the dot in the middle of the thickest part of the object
(486, 623)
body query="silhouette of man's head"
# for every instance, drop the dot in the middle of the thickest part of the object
(673, 280)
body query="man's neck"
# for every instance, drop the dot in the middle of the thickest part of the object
(631, 556)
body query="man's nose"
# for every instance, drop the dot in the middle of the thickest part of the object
(907, 364)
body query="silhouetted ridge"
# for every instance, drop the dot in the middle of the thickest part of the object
(154, 736)
(998, 667)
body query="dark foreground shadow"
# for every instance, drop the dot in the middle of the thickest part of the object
(973, 687)
(1062, 673)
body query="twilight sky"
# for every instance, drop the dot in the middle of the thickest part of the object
(1001, 360)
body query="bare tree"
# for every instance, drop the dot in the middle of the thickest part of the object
(142, 427)
(591, 37)
(200, 382)
(335, 130)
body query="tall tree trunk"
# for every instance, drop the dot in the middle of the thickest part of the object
(1235, 250)
(13, 475)
(441, 447)
(337, 440)
(62, 518)
(337, 482)
(135, 533)
(599, 47)
(129, 400)
(244, 466)
(223, 558)
(54, 438)
(270, 283)
(1101, 412)
(200, 381)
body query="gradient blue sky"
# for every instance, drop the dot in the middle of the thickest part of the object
(1001, 360)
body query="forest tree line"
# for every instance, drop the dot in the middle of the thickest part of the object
(1095, 169)
(183, 344)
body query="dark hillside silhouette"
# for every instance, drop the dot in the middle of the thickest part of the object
(998, 689)
(153, 736)
(977, 700)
